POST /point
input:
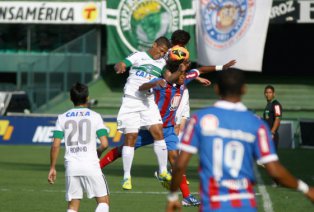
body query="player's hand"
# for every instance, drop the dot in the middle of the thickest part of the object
(161, 83)
(184, 65)
(173, 206)
(52, 176)
(204, 81)
(120, 68)
(310, 194)
(229, 64)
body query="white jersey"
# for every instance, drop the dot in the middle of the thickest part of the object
(79, 128)
(143, 69)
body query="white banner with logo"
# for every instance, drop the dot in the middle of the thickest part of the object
(232, 29)
(50, 12)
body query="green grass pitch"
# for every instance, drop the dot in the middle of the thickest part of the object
(24, 187)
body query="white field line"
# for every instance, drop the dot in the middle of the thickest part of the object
(267, 203)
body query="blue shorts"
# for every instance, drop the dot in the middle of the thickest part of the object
(145, 138)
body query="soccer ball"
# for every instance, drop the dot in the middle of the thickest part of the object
(179, 53)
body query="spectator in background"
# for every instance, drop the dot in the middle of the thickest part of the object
(272, 113)
(228, 138)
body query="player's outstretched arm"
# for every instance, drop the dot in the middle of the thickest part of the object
(283, 176)
(203, 81)
(154, 83)
(207, 69)
(120, 67)
(54, 152)
(103, 145)
(229, 64)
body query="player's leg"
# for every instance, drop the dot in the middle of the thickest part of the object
(152, 119)
(111, 156)
(172, 142)
(127, 156)
(129, 123)
(73, 193)
(160, 149)
(97, 187)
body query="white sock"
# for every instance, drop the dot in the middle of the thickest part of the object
(161, 152)
(127, 158)
(70, 210)
(180, 136)
(102, 207)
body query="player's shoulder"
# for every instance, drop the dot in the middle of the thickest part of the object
(276, 102)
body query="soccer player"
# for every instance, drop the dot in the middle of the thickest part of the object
(139, 109)
(181, 38)
(272, 113)
(79, 127)
(227, 138)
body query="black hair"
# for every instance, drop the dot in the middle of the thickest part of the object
(230, 82)
(163, 41)
(173, 66)
(79, 94)
(270, 87)
(180, 37)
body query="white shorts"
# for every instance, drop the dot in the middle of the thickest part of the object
(136, 113)
(94, 186)
(183, 111)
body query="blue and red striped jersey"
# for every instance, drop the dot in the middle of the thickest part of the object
(168, 98)
(228, 139)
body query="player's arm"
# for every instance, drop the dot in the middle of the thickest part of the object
(102, 134)
(103, 145)
(177, 172)
(276, 124)
(203, 81)
(172, 77)
(54, 152)
(152, 84)
(207, 69)
(121, 67)
(283, 176)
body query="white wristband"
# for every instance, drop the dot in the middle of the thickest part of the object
(173, 196)
(303, 187)
(219, 68)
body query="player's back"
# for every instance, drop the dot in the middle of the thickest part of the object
(80, 126)
(229, 141)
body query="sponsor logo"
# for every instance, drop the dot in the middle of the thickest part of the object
(90, 12)
(209, 123)
(141, 22)
(226, 21)
(6, 130)
(175, 101)
(43, 134)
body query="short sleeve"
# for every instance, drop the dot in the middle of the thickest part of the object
(191, 75)
(58, 131)
(131, 59)
(101, 129)
(190, 139)
(264, 149)
(277, 110)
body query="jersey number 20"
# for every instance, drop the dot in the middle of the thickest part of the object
(80, 129)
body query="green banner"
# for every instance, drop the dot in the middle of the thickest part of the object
(133, 25)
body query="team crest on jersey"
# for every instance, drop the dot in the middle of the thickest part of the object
(209, 123)
(175, 101)
(226, 21)
(140, 23)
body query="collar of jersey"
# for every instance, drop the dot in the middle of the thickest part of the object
(239, 106)
(149, 55)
